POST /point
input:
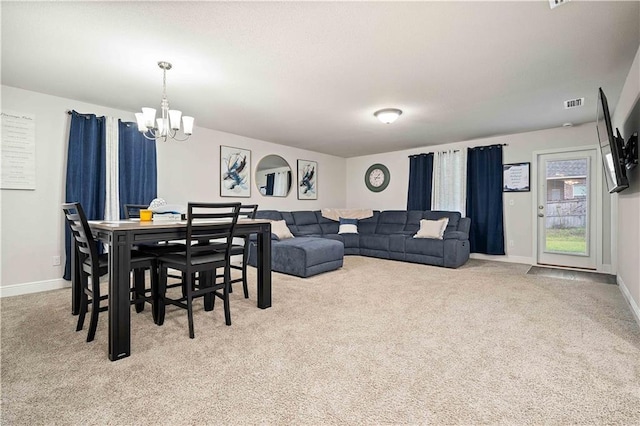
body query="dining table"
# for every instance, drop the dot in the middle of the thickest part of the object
(121, 236)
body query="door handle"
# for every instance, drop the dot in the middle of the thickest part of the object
(540, 214)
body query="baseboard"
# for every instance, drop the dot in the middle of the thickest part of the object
(33, 287)
(506, 258)
(635, 310)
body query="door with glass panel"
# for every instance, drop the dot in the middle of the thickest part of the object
(565, 209)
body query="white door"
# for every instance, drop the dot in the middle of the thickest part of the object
(565, 210)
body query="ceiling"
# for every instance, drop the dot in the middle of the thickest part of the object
(311, 74)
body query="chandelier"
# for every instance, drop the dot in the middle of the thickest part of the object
(167, 125)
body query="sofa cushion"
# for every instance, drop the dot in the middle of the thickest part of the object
(306, 223)
(269, 214)
(307, 256)
(279, 229)
(425, 246)
(327, 226)
(374, 242)
(454, 218)
(368, 225)
(413, 221)
(432, 228)
(348, 226)
(391, 222)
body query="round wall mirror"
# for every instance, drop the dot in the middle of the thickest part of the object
(273, 176)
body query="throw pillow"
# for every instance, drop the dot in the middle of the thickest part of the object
(348, 226)
(432, 228)
(280, 229)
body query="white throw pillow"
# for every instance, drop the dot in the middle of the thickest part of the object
(280, 229)
(432, 228)
(348, 226)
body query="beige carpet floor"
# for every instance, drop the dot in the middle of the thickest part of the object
(376, 342)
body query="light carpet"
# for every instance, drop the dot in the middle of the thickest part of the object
(376, 342)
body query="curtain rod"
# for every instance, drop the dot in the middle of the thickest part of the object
(456, 150)
(69, 112)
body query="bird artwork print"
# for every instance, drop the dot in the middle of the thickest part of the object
(235, 174)
(307, 182)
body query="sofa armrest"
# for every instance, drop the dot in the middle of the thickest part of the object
(456, 235)
(464, 225)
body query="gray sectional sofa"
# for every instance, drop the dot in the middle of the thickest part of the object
(387, 235)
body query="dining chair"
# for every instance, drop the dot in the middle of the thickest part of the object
(247, 211)
(208, 225)
(93, 265)
(132, 211)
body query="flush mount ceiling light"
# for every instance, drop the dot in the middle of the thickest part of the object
(388, 115)
(167, 126)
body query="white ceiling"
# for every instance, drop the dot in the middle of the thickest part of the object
(311, 74)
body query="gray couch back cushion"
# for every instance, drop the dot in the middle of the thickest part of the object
(269, 214)
(391, 222)
(368, 225)
(306, 223)
(328, 226)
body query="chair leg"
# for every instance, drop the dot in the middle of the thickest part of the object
(190, 308)
(95, 310)
(227, 286)
(245, 287)
(158, 296)
(84, 305)
(138, 289)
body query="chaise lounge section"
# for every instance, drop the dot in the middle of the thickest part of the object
(386, 235)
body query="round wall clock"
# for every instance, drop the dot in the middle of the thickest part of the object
(377, 177)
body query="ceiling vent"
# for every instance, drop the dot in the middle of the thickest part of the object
(573, 103)
(555, 3)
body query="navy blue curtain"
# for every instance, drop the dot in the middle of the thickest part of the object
(484, 199)
(137, 166)
(86, 171)
(420, 178)
(270, 181)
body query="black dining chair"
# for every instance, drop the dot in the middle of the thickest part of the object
(132, 211)
(247, 211)
(209, 225)
(93, 265)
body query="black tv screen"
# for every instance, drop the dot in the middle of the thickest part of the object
(611, 148)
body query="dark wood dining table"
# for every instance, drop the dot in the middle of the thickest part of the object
(120, 236)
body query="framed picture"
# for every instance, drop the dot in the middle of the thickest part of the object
(516, 177)
(235, 172)
(307, 180)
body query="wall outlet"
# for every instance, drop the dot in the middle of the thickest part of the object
(55, 260)
(511, 243)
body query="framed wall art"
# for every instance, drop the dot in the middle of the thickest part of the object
(516, 177)
(235, 172)
(307, 180)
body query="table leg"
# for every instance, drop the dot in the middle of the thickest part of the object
(119, 305)
(264, 268)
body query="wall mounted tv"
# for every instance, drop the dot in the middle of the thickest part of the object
(611, 148)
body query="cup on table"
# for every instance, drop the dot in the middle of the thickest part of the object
(146, 215)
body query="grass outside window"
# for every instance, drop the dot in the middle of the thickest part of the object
(568, 240)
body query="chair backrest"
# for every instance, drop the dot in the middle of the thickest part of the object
(87, 248)
(248, 211)
(208, 222)
(132, 211)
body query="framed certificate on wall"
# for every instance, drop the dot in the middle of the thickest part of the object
(516, 177)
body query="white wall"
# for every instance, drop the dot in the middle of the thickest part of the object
(32, 224)
(628, 201)
(517, 217)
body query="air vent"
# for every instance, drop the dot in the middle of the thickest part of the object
(555, 3)
(573, 103)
